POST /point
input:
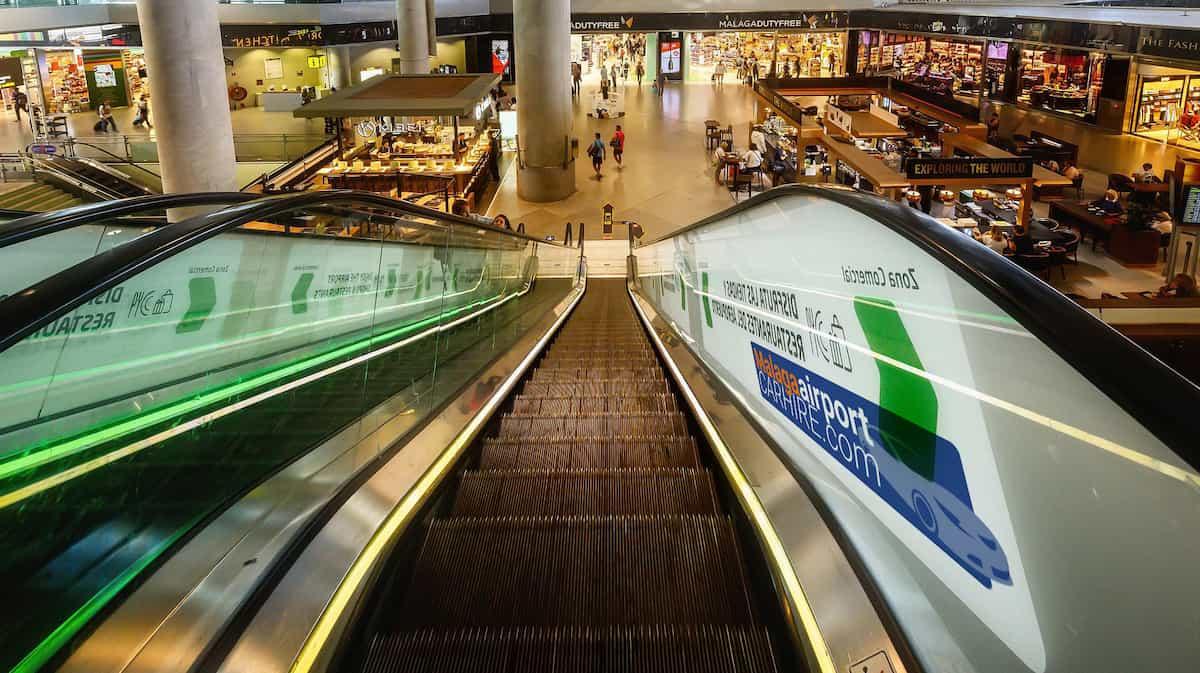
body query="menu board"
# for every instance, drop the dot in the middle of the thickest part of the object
(1191, 205)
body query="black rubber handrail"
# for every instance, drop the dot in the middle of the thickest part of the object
(40, 224)
(1160, 398)
(27, 311)
(16, 214)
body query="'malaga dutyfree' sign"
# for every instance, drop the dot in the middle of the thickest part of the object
(969, 168)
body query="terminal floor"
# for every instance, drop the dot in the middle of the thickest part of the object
(666, 181)
(15, 137)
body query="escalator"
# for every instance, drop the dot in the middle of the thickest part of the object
(159, 382)
(816, 432)
(587, 534)
(105, 179)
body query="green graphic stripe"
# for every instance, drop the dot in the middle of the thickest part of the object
(704, 298)
(682, 293)
(71, 626)
(120, 428)
(909, 406)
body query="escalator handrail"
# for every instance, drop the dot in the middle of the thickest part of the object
(16, 214)
(40, 224)
(29, 310)
(1157, 396)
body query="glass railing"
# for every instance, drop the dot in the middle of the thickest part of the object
(43, 245)
(246, 146)
(1017, 480)
(177, 385)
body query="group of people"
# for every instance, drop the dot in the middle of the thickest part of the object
(141, 118)
(598, 151)
(749, 161)
(461, 208)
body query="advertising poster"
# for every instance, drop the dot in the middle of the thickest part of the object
(670, 52)
(500, 57)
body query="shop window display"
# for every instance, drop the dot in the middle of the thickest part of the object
(66, 85)
(794, 54)
(620, 51)
(942, 67)
(1168, 107)
(1062, 80)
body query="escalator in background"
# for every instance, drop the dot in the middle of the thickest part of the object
(37, 246)
(586, 534)
(101, 177)
(155, 384)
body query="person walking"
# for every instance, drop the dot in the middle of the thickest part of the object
(641, 72)
(106, 117)
(576, 77)
(20, 103)
(719, 72)
(618, 145)
(143, 112)
(661, 82)
(603, 76)
(596, 152)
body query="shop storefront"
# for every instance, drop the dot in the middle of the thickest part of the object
(1167, 105)
(942, 66)
(1062, 80)
(787, 54)
(620, 51)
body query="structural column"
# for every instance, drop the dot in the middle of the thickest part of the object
(190, 108)
(413, 21)
(543, 65)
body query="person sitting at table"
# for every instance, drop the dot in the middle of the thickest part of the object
(995, 240)
(1161, 222)
(1109, 204)
(719, 157)
(1182, 285)
(1022, 242)
(1053, 165)
(1070, 171)
(751, 160)
(1146, 174)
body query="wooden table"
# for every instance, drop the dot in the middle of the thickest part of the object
(1125, 245)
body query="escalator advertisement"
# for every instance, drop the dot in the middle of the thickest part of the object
(876, 371)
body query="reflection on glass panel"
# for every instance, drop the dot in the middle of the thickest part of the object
(141, 414)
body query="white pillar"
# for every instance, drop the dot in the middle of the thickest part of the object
(190, 111)
(412, 32)
(542, 30)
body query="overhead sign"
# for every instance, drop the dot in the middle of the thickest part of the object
(317, 61)
(969, 168)
(838, 118)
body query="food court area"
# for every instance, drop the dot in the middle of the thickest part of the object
(1088, 235)
(422, 138)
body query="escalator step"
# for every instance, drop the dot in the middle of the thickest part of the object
(585, 493)
(641, 649)
(528, 405)
(577, 571)
(551, 375)
(608, 425)
(596, 388)
(501, 454)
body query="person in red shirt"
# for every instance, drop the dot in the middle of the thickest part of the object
(618, 144)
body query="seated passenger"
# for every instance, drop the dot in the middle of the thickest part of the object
(1182, 285)
(995, 240)
(1022, 242)
(1109, 204)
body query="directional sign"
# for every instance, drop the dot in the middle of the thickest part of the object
(608, 221)
(43, 149)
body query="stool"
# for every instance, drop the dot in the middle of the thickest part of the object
(712, 134)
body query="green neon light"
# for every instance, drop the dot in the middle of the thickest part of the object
(126, 426)
(71, 626)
